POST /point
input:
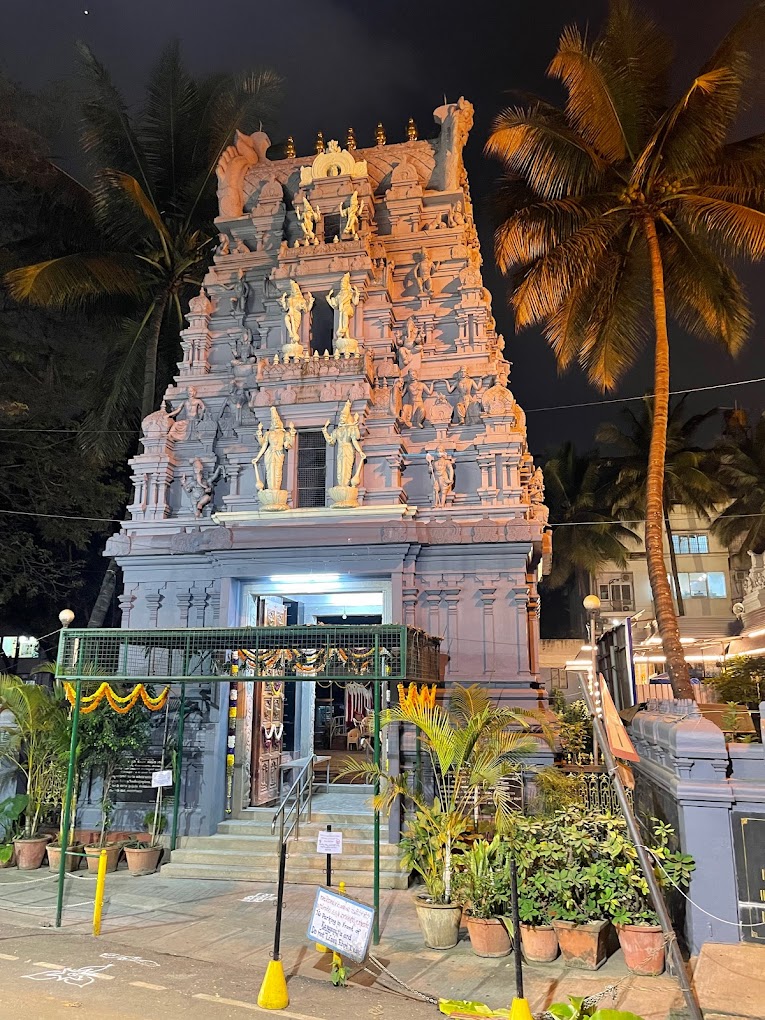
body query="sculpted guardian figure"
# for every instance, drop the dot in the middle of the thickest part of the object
(344, 302)
(351, 215)
(442, 473)
(274, 444)
(468, 395)
(295, 304)
(346, 437)
(308, 218)
(200, 488)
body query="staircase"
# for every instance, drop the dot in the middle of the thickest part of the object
(244, 850)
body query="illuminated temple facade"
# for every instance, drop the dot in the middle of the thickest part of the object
(340, 443)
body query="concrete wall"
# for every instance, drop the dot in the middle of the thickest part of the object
(689, 777)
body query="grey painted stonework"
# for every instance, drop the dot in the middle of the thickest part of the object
(455, 545)
(689, 777)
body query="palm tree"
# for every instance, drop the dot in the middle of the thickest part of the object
(588, 535)
(688, 476)
(152, 201)
(741, 452)
(623, 194)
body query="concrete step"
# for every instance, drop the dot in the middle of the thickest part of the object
(294, 876)
(305, 846)
(266, 863)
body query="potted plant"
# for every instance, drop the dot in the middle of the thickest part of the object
(536, 857)
(473, 747)
(637, 924)
(143, 856)
(35, 744)
(11, 810)
(482, 884)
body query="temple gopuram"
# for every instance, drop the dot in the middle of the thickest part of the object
(340, 444)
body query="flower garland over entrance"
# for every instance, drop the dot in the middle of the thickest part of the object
(119, 703)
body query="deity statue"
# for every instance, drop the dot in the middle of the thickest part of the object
(241, 247)
(537, 496)
(238, 399)
(351, 215)
(274, 444)
(413, 413)
(456, 120)
(498, 400)
(344, 302)
(468, 395)
(200, 305)
(241, 293)
(295, 304)
(346, 436)
(409, 349)
(308, 218)
(200, 488)
(242, 346)
(195, 406)
(424, 269)
(224, 245)
(442, 474)
(455, 217)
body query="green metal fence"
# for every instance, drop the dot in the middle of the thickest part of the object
(382, 652)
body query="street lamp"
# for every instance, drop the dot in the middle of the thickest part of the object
(592, 604)
(65, 617)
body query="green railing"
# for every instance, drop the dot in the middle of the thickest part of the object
(206, 654)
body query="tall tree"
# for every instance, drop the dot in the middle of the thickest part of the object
(623, 208)
(741, 468)
(152, 199)
(587, 536)
(689, 479)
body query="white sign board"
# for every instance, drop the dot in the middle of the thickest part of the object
(341, 924)
(329, 843)
(162, 778)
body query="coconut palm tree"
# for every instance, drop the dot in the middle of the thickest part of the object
(741, 470)
(152, 203)
(689, 477)
(588, 535)
(624, 207)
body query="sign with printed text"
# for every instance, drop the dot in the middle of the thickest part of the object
(329, 843)
(163, 777)
(341, 924)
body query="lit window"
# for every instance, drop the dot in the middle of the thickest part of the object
(702, 586)
(691, 542)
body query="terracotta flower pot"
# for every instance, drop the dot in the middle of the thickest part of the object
(73, 859)
(143, 860)
(30, 852)
(583, 945)
(643, 947)
(540, 943)
(92, 853)
(489, 937)
(439, 922)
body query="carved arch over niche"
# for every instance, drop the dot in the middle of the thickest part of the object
(335, 162)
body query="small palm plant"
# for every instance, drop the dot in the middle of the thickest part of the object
(474, 749)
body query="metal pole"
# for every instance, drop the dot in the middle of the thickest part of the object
(178, 766)
(594, 673)
(646, 866)
(98, 903)
(516, 928)
(279, 901)
(329, 864)
(67, 811)
(376, 684)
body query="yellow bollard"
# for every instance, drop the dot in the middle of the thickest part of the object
(99, 900)
(520, 1010)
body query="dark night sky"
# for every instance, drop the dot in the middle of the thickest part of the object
(353, 62)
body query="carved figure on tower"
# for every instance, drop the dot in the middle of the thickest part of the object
(308, 219)
(195, 406)
(199, 487)
(295, 305)
(161, 428)
(413, 413)
(424, 268)
(274, 444)
(241, 292)
(344, 303)
(351, 215)
(346, 436)
(468, 397)
(235, 161)
(409, 349)
(442, 474)
(497, 400)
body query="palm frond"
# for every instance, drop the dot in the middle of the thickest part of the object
(733, 228)
(137, 197)
(528, 232)
(538, 144)
(739, 167)
(77, 281)
(590, 107)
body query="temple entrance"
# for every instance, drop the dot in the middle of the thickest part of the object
(289, 721)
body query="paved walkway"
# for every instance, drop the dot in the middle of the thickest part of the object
(232, 924)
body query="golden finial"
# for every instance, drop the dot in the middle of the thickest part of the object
(411, 130)
(289, 149)
(350, 140)
(380, 134)
(320, 143)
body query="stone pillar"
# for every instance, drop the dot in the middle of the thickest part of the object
(488, 596)
(452, 598)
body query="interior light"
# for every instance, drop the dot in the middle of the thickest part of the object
(754, 633)
(299, 579)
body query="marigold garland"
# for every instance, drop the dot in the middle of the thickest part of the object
(424, 697)
(120, 703)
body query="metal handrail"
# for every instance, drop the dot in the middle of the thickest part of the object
(300, 794)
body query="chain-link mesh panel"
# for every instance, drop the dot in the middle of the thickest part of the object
(383, 652)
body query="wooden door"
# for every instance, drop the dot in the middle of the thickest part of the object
(268, 726)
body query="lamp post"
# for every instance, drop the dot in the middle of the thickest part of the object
(592, 604)
(65, 617)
